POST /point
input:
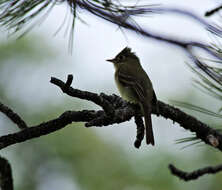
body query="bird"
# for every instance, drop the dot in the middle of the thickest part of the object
(135, 86)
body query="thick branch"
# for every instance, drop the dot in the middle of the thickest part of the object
(62, 121)
(123, 111)
(6, 181)
(187, 176)
(186, 121)
(47, 127)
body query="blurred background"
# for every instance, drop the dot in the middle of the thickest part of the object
(77, 158)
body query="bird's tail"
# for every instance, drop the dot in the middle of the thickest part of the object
(148, 124)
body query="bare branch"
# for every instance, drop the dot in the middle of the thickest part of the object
(14, 117)
(187, 176)
(99, 100)
(47, 127)
(123, 111)
(6, 181)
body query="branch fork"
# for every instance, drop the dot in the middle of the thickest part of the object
(114, 110)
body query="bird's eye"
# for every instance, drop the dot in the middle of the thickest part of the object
(121, 57)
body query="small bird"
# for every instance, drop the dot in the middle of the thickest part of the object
(135, 86)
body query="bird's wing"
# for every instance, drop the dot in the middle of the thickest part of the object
(131, 81)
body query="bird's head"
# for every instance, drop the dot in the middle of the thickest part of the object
(126, 56)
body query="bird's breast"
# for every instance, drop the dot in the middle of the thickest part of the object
(126, 92)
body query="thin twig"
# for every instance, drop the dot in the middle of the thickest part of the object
(213, 11)
(187, 176)
(14, 117)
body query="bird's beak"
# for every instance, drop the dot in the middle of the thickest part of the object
(111, 60)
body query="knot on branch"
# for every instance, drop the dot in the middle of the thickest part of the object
(213, 140)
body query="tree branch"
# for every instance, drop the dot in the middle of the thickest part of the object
(6, 181)
(100, 100)
(123, 111)
(213, 11)
(123, 20)
(187, 176)
(14, 117)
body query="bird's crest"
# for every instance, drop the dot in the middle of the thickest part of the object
(127, 52)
